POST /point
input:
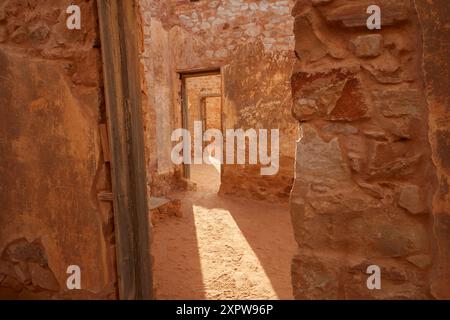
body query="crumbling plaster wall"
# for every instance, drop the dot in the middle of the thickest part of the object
(159, 116)
(365, 183)
(211, 34)
(257, 96)
(51, 163)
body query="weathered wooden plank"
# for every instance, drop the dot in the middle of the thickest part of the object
(118, 29)
(105, 142)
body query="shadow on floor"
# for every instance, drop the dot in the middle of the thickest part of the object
(177, 269)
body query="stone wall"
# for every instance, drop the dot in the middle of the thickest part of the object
(434, 18)
(51, 163)
(222, 26)
(365, 180)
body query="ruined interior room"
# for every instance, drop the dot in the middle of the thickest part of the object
(212, 79)
(224, 150)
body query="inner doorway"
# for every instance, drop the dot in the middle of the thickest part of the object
(202, 111)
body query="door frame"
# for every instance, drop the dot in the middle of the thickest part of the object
(119, 30)
(183, 75)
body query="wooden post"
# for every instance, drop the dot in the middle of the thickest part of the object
(119, 45)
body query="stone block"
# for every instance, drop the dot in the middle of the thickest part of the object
(389, 160)
(315, 277)
(39, 32)
(307, 45)
(354, 14)
(400, 240)
(401, 127)
(400, 167)
(367, 46)
(43, 278)
(397, 103)
(318, 160)
(23, 251)
(397, 282)
(333, 95)
(411, 199)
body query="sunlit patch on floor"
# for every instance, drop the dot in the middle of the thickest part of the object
(230, 267)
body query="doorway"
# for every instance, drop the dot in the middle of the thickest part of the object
(202, 111)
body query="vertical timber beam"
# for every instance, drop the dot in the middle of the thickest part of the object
(119, 43)
(185, 120)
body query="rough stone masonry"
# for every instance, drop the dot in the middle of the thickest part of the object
(371, 177)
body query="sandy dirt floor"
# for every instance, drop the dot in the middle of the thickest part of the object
(223, 247)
